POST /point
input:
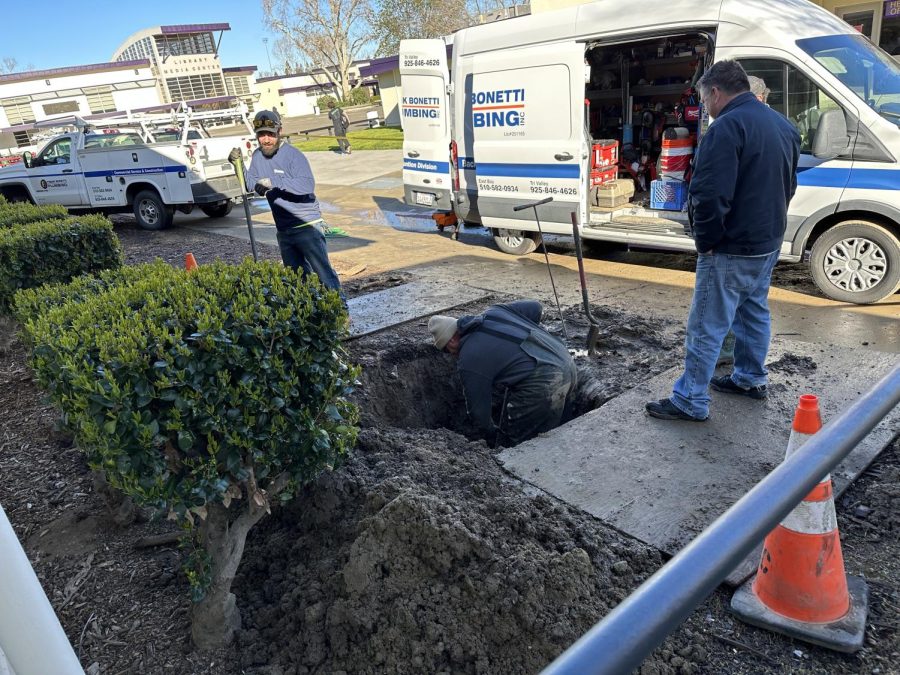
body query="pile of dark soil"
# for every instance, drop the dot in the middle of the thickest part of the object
(421, 555)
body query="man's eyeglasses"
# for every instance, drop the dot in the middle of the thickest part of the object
(265, 123)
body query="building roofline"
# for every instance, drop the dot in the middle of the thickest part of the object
(308, 87)
(188, 28)
(73, 70)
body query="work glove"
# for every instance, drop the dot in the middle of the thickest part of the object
(262, 186)
(234, 156)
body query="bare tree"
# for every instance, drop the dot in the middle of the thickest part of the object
(396, 20)
(323, 34)
(8, 65)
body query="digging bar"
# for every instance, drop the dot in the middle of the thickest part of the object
(239, 169)
(594, 330)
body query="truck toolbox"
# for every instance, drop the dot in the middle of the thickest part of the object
(216, 189)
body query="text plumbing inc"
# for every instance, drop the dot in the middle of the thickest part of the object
(421, 106)
(498, 108)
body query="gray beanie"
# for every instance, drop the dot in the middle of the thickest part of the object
(442, 328)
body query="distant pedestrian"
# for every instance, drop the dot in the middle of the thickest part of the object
(745, 175)
(281, 173)
(341, 124)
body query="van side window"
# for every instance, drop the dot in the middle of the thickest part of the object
(792, 94)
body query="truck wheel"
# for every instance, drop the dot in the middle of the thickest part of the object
(516, 242)
(856, 261)
(218, 210)
(16, 195)
(150, 212)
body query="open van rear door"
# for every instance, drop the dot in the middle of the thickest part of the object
(424, 109)
(525, 115)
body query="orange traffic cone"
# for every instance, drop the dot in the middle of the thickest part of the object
(800, 588)
(190, 262)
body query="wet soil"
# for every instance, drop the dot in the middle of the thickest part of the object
(420, 554)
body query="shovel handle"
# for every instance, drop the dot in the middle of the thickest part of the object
(545, 200)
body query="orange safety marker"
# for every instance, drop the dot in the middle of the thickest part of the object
(800, 588)
(190, 262)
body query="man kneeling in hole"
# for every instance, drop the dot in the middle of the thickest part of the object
(505, 350)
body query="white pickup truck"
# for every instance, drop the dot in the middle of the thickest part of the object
(115, 170)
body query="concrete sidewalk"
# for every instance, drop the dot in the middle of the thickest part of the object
(663, 482)
(357, 169)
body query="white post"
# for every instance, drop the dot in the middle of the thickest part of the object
(5, 668)
(30, 634)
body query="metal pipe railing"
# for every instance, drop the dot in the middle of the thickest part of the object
(623, 639)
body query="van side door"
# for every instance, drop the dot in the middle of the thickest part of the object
(424, 107)
(523, 122)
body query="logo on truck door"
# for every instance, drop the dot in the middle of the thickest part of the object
(498, 108)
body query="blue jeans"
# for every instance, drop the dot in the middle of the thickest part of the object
(305, 248)
(730, 291)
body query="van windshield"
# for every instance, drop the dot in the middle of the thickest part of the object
(866, 70)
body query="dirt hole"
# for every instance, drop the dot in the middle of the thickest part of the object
(410, 385)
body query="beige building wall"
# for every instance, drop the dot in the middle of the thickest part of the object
(389, 89)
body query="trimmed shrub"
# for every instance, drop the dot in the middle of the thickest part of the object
(324, 100)
(52, 251)
(358, 96)
(20, 213)
(35, 302)
(206, 394)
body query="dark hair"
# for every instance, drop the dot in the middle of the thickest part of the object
(728, 76)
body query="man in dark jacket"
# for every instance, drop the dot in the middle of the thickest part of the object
(505, 349)
(745, 175)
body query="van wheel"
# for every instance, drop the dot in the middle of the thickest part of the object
(516, 242)
(856, 261)
(150, 212)
(218, 210)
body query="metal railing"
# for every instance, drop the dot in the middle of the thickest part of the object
(623, 639)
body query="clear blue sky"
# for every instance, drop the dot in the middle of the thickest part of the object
(69, 33)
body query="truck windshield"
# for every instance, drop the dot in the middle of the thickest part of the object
(866, 70)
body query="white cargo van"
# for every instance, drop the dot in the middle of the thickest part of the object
(528, 98)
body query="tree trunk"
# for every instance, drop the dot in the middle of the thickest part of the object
(216, 619)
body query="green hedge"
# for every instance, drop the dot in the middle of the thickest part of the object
(34, 302)
(190, 389)
(20, 213)
(37, 253)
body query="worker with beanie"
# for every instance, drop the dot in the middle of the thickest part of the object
(505, 350)
(281, 173)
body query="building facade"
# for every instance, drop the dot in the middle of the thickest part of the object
(239, 83)
(41, 95)
(184, 59)
(879, 21)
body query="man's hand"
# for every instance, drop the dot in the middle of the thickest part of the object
(235, 156)
(262, 187)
